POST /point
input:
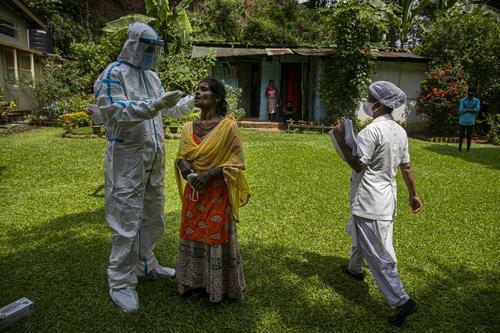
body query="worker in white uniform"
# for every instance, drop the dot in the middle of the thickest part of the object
(382, 148)
(131, 99)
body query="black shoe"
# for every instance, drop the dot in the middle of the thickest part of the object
(355, 276)
(403, 311)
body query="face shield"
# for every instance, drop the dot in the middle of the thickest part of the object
(153, 52)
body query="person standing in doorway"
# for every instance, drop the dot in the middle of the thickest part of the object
(272, 97)
(469, 108)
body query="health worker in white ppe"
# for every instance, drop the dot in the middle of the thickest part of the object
(131, 100)
(382, 148)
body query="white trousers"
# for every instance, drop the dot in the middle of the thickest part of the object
(372, 240)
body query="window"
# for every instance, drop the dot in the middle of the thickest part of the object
(8, 27)
(9, 66)
(24, 65)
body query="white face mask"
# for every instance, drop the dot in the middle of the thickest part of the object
(368, 108)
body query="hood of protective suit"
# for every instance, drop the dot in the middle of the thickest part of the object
(133, 50)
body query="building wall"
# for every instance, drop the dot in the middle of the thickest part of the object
(226, 73)
(22, 28)
(11, 92)
(407, 76)
(319, 111)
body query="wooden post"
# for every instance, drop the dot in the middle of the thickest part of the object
(32, 64)
(16, 72)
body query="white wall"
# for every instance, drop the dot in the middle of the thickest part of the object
(407, 76)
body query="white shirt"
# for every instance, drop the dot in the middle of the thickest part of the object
(382, 147)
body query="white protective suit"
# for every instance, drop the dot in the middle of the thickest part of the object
(128, 98)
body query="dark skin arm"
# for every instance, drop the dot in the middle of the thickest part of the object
(199, 182)
(414, 199)
(203, 177)
(186, 167)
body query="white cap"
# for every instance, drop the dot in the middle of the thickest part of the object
(387, 93)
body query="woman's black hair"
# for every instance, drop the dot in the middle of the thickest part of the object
(217, 88)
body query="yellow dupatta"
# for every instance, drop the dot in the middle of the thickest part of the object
(222, 147)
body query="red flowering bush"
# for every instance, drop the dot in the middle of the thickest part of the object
(440, 94)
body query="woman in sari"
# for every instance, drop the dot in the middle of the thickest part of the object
(210, 158)
(271, 93)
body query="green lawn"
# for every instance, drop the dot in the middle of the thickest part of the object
(54, 243)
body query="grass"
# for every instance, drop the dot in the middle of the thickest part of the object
(54, 243)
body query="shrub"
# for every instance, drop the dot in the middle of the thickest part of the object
(57, 82)
(440, 94)
(233, 96)
(182, 120)
(344, 79)
(494, 128)
(362, 124)
(181, 72)
(5, 107)
(73, 120)
(470, 40)
(73, 104)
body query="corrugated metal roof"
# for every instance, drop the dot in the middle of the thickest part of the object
(395, 54)
(278, 52)
(221, 52)
(314, 52)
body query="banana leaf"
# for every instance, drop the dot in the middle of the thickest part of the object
(124, 21)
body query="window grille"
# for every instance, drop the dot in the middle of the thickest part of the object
(8, 27)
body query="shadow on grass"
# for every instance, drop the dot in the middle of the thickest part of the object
(488, 156)
(61, 266)
(457, 298)
(453, 297)
(2, 169)
(329, 270)
(98, 192)
(309, 291)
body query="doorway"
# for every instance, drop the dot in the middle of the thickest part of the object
(249, 83)
(291, 88)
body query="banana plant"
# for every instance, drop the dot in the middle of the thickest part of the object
(404, 15)
(172, 23)
(124, 21)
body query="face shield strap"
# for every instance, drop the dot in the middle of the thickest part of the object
(148, 41)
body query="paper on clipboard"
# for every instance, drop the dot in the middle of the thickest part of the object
(349, 138)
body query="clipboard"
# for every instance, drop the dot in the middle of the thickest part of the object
(349, 138)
